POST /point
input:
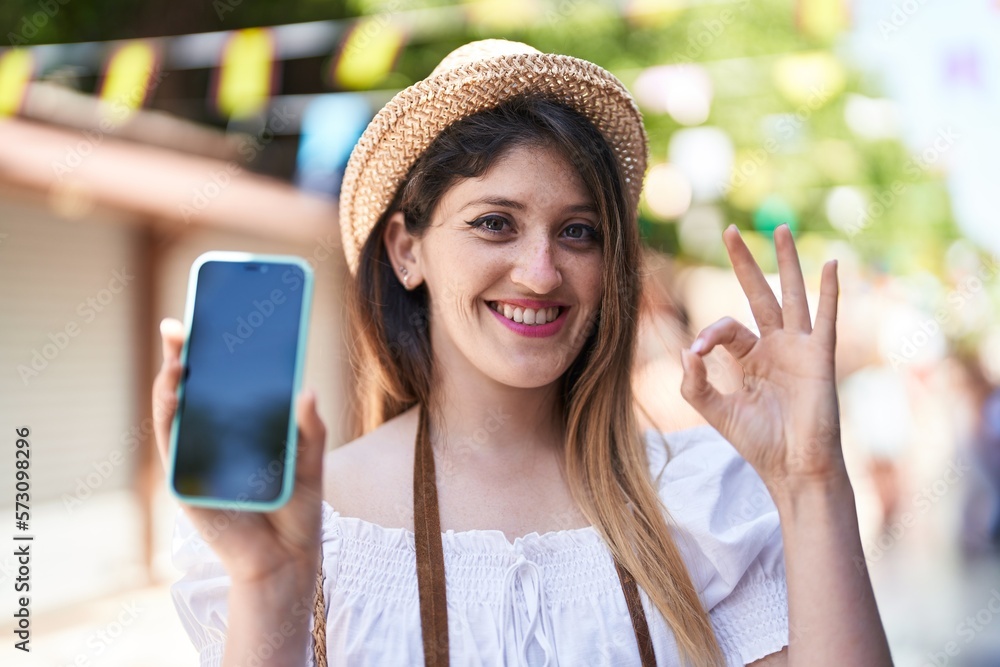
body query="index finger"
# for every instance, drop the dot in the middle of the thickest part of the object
(763, 303)
(172, 336)
(165, 386)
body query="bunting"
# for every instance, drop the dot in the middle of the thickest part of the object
(127, 79)
(368, 53)
(247, 76)
(16, 66)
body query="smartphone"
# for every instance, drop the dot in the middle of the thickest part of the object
(234, 435)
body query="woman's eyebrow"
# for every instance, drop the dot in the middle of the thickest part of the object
(495, 201)
(503, 202)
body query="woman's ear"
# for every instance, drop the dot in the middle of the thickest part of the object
(403, 250)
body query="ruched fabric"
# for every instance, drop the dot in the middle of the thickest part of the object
(539, 600)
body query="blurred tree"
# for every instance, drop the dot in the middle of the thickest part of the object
(780, 94)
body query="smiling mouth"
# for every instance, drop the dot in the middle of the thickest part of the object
(529, 316)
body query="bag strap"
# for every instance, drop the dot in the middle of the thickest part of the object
(646, 654)
(430, 571)
(430, 564)
(319, 620)
(430, 552)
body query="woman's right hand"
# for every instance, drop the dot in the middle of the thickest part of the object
(254, 547)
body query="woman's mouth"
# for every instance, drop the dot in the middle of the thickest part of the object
(530, 316)
(530, 322)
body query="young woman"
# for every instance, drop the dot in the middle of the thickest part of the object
(503, 506)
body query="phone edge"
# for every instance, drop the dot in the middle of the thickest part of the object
(291, 448)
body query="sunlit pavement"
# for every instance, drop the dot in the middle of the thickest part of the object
(135, 629)
(90, 604)
(939, 607)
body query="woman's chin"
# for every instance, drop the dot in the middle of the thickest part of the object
(519, 376)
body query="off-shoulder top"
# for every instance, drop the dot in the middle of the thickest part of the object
(549, 599)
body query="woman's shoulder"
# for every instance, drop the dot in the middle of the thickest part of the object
(381, 460)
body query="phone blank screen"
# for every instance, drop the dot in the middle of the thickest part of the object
(235, 409)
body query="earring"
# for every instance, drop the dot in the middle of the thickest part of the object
(406, 276)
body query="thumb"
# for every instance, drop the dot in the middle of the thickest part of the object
(698, 391)
(312, 441)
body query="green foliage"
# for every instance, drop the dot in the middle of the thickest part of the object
(807, 150)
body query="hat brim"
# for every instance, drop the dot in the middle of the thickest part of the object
(409, 122)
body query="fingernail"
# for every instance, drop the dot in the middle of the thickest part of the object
(698, 345)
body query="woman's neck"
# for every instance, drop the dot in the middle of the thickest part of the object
(495, 420)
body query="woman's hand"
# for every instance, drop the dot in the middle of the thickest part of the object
(785, 423)
(254, 547)
(785, 420)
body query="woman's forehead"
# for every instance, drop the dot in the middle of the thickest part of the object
(525, 177)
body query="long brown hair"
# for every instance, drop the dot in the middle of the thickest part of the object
(605, 455)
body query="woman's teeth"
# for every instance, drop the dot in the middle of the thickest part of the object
(526, 315)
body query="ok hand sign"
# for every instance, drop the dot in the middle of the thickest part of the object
(785, 420)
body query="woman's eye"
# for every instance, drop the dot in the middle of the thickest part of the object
(490, 223)
(579, 231)
(494, 224)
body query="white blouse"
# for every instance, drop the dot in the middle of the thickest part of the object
(551, 599)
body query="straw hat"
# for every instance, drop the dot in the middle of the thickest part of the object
(474, 77)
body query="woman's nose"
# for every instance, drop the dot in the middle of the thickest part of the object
(536, 268)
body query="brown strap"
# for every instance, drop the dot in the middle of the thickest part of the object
(430, 572)
(635, 610)
(430, 553)
(430, 564)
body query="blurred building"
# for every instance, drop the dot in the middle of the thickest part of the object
(98, 230)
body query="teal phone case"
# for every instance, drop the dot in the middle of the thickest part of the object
(288, 479)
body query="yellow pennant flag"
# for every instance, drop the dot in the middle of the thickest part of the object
(822, 18)
(246, 73)
(368, 53)
(127, 79)
(654, 13)
(16, 66)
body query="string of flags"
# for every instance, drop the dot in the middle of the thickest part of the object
(245, 64)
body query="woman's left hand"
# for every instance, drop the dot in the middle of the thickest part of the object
(785, 420)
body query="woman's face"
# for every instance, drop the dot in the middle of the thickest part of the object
(504, 252)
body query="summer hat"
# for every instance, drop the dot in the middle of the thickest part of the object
(474, 77)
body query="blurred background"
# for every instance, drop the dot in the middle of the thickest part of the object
(134, 136)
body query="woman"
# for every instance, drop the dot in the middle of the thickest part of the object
(503, 506)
